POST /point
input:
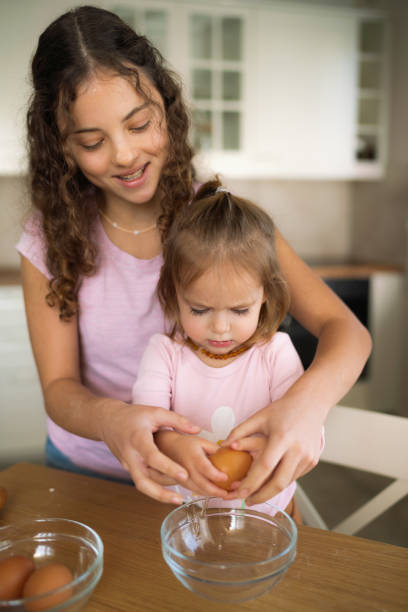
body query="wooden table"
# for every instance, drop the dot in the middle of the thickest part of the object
(331, 572)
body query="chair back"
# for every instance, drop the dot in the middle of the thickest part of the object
(370, 441)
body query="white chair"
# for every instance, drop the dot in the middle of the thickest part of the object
(370, 441)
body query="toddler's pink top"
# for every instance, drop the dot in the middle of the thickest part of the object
(217, 399)
(118, 312)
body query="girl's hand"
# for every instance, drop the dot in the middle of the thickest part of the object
(255, 445)
(293, 447)
(128, 432)
(192, 452)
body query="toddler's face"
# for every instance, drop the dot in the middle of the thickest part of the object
(220, 310)
(119, 141)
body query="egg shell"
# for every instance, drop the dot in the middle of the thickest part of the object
(45, 579)
(234, 463)
(14, 571)
(3, 497)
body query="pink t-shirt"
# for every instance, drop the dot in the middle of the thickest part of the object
(217, 399)
(119, 311)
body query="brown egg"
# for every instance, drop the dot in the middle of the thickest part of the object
(234, 463)
(44, 579)
(14, 571)
(3, 497)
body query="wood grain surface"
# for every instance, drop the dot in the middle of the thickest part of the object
(354, 270)
(331, 572)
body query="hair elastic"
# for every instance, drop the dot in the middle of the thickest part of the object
(222, 190)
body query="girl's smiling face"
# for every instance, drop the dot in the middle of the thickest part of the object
(119, 140)
(220, 310)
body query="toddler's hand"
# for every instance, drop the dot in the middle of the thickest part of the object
(192, 453)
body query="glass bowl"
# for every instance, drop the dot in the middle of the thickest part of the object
(55, 540)
(227, 554)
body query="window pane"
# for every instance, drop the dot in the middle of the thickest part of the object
(202, 121)
(202, 89)
(156, 28)
(371, 37)
(368, 111)
(231, 38)
(231, 85)
(367, 147)
(231, 130)
(370, 75)
(201, 36)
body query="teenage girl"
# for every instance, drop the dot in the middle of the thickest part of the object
(110, 169)
(224, 360)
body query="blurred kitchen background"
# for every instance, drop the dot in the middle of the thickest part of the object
(300, 105)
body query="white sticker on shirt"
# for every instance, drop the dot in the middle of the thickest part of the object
(222, 422)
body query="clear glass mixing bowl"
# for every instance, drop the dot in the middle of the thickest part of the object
(228, 554)
(51, 540)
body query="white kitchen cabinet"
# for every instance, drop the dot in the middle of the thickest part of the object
(306, 105)
(21, 22)
(383, 387)
(22, 414)
(277, 89)
(372, 99)
(388, 361)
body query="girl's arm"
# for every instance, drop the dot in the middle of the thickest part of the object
(293, 423)
(128, 432)
(344, 344)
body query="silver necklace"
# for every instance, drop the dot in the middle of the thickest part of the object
(135, 232)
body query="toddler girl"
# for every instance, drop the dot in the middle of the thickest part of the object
(223, 359)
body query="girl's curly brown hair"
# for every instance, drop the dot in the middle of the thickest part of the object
(69, 52)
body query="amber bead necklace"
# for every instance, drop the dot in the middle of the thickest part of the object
(200, 349)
